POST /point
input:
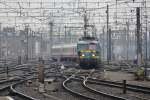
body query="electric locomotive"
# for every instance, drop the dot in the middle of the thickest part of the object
(88, 49)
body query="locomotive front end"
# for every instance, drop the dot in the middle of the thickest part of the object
(88, 53)
(88, 58)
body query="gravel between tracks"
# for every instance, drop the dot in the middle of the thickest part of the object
(60, 94)
(31, 91)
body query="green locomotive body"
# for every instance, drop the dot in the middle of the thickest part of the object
(89, 52)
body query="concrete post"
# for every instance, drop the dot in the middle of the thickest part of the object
(124, 86)
(19, 60)
(41, 72)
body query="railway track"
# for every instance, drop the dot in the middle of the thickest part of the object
(82, 90)
(5, 86)
(122, 67)
(65, 85)
(7, 89)
(21, 71)
(17, 95)
(134, 92)
(136, 88)
(60, 94)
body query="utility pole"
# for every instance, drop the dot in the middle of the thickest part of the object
(0, 41)
(103, 42)
(41, 44)
(65, 35)
(32, 44)
(109, 45)
(127, 39)
(107, 12)
(149, 44)
(51, 38)
(145, 68)
(139, 47)
(27, 38)
(0, 45)
(85, 24)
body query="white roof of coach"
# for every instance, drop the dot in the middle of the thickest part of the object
(87, 42)
(64, 45)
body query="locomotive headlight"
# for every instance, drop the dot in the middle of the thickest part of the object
(82, 55)
(93, 55)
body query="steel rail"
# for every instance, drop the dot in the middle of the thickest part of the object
(74, 92)
(24, 96)
(84, 80)
(135, 88)
(7, 87)
(102, 93)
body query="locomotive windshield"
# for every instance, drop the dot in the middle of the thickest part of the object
(91, 46)
(82, 46)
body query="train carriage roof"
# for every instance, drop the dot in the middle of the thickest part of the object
(87, 42)
(65, 45)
